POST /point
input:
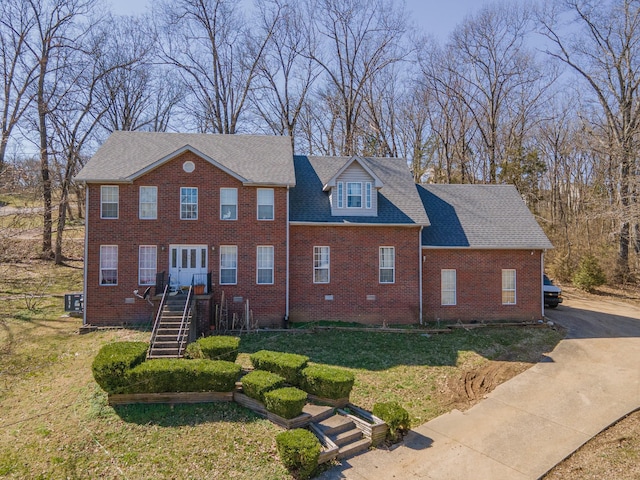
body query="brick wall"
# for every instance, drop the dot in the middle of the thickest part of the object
(479, 284)
(354, 275)
(106, 305)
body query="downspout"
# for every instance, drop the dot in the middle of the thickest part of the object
(86, 254)
(542, 281)
(286, 314)
(420, 267)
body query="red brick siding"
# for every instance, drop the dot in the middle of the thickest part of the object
(354, 275)
(106, 304)
(479, 284)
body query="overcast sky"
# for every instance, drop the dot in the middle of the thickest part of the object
(436, 17)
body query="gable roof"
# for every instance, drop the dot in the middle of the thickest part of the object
(398, 200)
(360, 161)
(479, 216)
(252, 159)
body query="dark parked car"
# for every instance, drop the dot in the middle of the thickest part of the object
(552, 294)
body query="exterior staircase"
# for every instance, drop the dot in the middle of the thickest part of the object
(164, 341)
(342, 432)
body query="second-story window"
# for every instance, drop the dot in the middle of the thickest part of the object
(228, 203)
(354, 195)
(148, 203)
(265, 204)
(109, 201)
(188, 203)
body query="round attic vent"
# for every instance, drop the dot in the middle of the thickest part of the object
(188, 166)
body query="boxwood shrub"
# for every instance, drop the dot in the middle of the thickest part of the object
(396, 417)
(255, 384)
(181, 375)
(216, 347)
(114, 360)
(286, 402)
(299, 451)
(327, 382)
(287, 365)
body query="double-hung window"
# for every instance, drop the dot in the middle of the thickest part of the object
(387, 264)
(108, 264)
(188, 203)
(228, 265)
(368, 195)
(265, 204)
(340, 194)
(448, 287)
(321, 264)
(354, 195)
(509, 287)
(265, 265)
(147, 264)
(109, 201)
(228, 203)
(148, 208)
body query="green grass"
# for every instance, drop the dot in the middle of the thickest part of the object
(55, 421)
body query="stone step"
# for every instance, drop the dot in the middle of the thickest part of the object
(335, 424)
(354, 448)
(318, 412)
(344, 438)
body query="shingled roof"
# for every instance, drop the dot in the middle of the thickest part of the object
(479, 216)
(253, 159)
(398, 200)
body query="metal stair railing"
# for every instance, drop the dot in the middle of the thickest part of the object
(186, 315)
(156, 324)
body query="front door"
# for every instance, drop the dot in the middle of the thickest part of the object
(185, 261)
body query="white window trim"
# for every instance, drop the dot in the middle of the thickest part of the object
(505, 289)
(443, 290)
(103, 202)
(368, 194)
(155, 216)
(223, 247)
(154, 249)
(340, 194)
(196, 204)
(259, 268)
(317, 268)
(234, 204)
(271, 204)
(361, 195)
(381, 268)
(103, 248)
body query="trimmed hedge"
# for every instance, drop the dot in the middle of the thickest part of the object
(113, 362)
(327, 382)
(299, 451)
(255, 384)
(286, 402)
(181, 375)
(396, 417)
(216, 347)
(287, 365)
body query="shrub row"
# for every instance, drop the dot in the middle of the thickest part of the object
(327, 382)
(217, 347)
(287, 365)
(114, 360)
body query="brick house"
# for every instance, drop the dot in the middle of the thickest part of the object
(299, 237)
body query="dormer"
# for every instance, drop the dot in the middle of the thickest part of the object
(353, 190)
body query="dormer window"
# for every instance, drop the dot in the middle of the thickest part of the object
(354, 189)
(354, 195)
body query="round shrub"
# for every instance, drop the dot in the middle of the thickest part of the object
(216, 347)
(327, 382)
(299, 451)
(113, 362)
(396, 417)
(286, 402)
(180, 375)
(255, 384)
(287, 365)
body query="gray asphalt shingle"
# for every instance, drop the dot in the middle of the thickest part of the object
(264, 159)
(479, 216)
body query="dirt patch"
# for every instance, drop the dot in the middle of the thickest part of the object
(472, 385)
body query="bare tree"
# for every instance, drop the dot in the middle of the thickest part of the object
(360, 39)
(217, 55)
(601, 48)
(18, 69)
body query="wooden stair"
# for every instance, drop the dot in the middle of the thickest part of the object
(342, 432)
(165, 343)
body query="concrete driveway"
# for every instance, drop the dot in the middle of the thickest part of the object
(532, 422)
